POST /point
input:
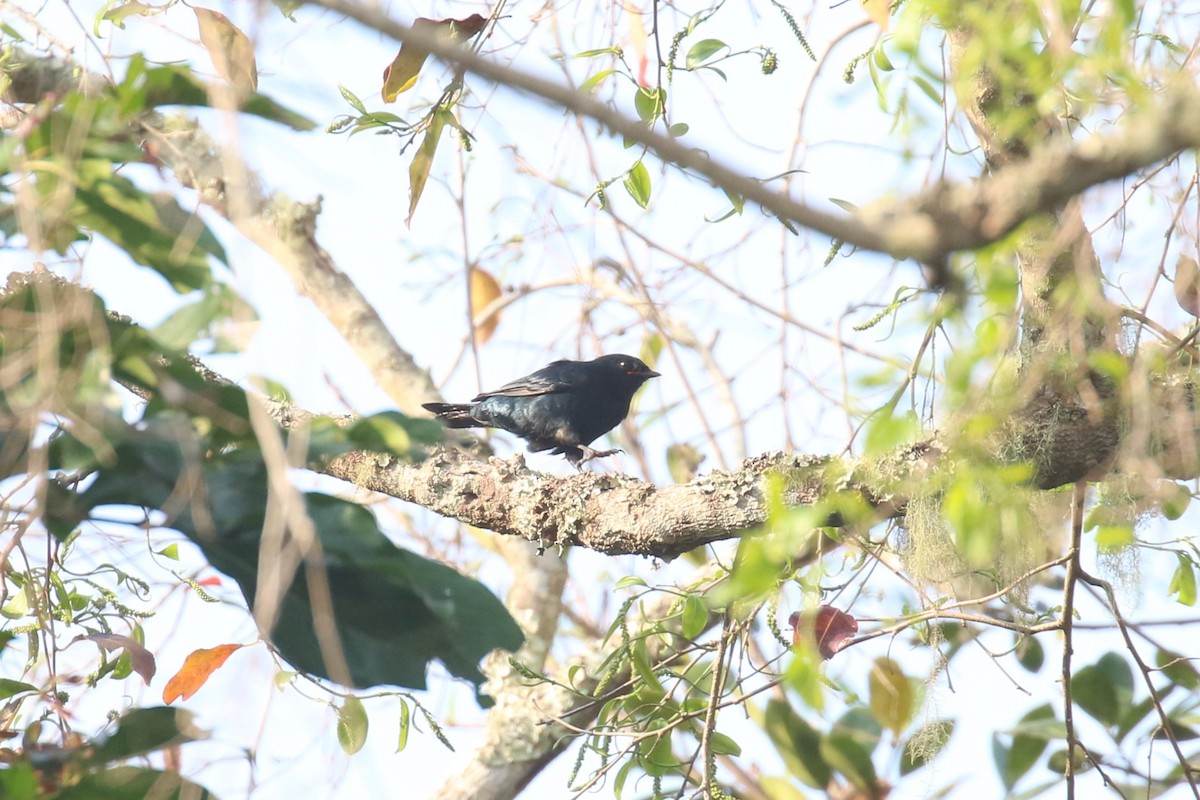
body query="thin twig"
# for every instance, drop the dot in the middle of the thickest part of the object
(1067, 618)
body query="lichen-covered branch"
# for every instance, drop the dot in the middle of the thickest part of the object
(609, 513)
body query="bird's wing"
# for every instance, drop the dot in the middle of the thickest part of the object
(559, 376)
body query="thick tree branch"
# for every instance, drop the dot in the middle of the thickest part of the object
(609, 513)
(927, 226)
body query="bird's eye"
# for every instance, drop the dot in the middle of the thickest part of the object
(623, 364)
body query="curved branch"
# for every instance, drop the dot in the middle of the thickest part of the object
(926, 226)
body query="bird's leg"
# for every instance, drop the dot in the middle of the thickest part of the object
(589, 454)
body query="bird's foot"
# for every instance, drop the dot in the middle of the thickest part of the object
(589, 454)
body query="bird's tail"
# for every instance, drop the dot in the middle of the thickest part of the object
(455, 415)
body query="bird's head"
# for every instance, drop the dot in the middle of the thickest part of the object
(628, 368)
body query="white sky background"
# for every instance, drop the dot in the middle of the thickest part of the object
(526, 232)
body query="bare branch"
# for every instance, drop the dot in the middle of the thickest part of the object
(927, 226)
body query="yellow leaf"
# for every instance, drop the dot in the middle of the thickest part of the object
(230, 50)
(484, 291)
(878, 11)
(401, 74)
(418, 170)
(1187, 285)
(196, 670)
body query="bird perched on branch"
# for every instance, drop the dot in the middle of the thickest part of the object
(563, 407)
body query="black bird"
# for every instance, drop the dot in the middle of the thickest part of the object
(565, 405)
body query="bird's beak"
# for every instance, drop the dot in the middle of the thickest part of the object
(648, 374)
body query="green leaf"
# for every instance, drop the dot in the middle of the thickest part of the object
(637, 183)
(133, 783)
(886, 432)
(1136, 715)
(197, 320)
(928, 89)
(925, 745)
(882, 62)
(19, 781)
(154, 231)
(405, 725)
(119, 14)
(723, 745)
(352, 725)
(145, 730)
(1027, 745)
(797, 743)
(1030, 654)
(703, 50)
(1104, 689)
(695, 616)
(655, 755)
(395, 433)
(853, 761)
(649, 103)
(615, 50)
(1173, 507)
(592, 83)
(649, 687)
(351, 98)
(1183, 582)
(627, 581)
(1178, 669)
(678, 129)
(9, 687)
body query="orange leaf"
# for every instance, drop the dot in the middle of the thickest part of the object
(401, 74)
(829, 629)
(484, 291)
(230, 50)
(196, 669)
(878, 11)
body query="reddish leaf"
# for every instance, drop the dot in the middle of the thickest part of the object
(230, 50)
(211, 580)
(140, 659)
(401, 74)
(828, 628)
(196, 670)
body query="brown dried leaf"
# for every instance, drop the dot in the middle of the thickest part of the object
(196, 670)
(401, 74)
(140, 659)
(230, 50)
(484, 291)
